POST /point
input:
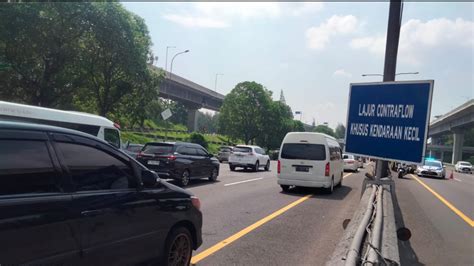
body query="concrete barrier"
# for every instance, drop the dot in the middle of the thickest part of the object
(380, 247)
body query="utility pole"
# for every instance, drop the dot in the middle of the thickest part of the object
(390, 66)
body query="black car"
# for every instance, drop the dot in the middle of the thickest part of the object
(69, 198)
(181, 161)
(133, 149)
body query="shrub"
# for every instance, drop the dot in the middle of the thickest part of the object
(198, 138)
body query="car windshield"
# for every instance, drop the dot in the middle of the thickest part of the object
(465, 164)
(433, 164)
(158, 148)
(243, 149)
(303, 151)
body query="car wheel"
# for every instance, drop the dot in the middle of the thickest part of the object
(330, 189)
(184, 179)
(178, 247)
(232, 167)
(285, 188)
(213, 176)
(256, 166)
(267, 166)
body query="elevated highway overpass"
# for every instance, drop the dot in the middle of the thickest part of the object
(191, 95)
(455, 122)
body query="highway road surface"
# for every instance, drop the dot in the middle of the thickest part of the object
(439, 213)
(248, 220)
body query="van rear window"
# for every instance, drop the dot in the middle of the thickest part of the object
(303, 151)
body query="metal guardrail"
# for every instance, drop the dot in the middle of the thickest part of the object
(370, 238)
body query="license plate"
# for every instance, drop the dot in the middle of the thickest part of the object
(154, 162)
(302, 169)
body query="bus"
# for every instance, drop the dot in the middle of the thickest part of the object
(95, 125)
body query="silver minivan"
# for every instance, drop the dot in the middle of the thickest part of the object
(310, 160)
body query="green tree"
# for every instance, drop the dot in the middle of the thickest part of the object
(207, 123)
(114, 56)
(244, 111)
(340, 131)
(278, 122)
(324, 129)
(39, 43)
(298, 126)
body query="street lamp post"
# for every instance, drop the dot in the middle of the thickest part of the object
(166, 60)
(172, 60)
(215, 83)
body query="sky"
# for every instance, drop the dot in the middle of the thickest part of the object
(313, 51)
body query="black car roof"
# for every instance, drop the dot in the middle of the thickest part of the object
(41, 127)
(177, 143)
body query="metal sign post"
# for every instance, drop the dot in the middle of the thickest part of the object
(390, 67)
(165, 115)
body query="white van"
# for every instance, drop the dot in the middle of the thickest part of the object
(310, 160)
(95, 125)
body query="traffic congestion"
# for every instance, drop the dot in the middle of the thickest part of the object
(116, 148)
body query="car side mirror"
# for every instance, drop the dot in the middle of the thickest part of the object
(149, 178)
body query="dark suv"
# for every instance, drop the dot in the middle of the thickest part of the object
(181, 161)
(69, 198)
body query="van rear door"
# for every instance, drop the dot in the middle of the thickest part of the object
(303, 161)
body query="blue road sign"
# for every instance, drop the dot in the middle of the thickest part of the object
(389, 120)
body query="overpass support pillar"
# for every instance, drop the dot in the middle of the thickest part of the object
(192, 119)
(457, 146)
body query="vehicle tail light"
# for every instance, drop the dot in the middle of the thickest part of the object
(278, 167)
(327, 169)
(350, 162)
(117, 125)
(170, 157)
(196, 202)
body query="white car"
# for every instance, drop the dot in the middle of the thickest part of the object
(247, 156)
(309, 159)
(464, 167)
(350, 163)
(431, 168)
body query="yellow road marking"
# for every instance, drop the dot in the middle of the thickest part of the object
(208, 252)
(447, 203)
(245, 231)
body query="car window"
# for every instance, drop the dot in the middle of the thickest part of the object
(200, 152)
(433, 164)
(158, 148)
(303, 151)
(243, 149)
(187, 150)
(94, 169)
(134, 148)
(26, 167)
(112, 136)
(465, 164)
